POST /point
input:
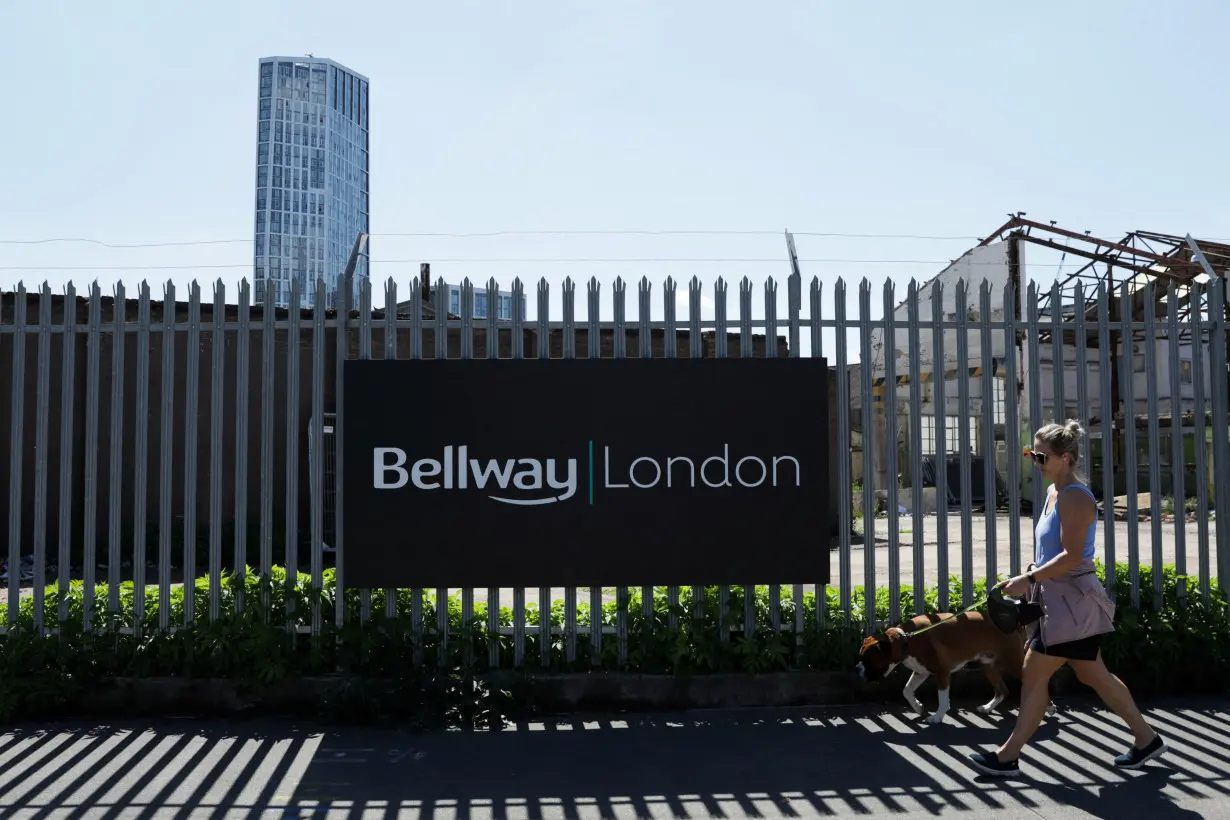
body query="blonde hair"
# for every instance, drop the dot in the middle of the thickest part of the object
(1064, 439)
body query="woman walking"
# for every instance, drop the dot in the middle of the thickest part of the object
(1078, 612)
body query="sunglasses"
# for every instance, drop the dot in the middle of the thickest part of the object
(1039, 458)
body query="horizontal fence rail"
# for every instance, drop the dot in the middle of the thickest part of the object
(163, 452)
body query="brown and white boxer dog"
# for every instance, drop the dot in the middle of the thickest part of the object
(939, 652)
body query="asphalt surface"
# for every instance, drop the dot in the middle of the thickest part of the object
(817, 762)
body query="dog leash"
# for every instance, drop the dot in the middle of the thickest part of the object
(954, 616)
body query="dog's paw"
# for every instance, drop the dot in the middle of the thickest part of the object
(918, 708)
(1052, 709)
(984, 709)
(935, 718)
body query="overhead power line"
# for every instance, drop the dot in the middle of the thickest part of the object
(493, 234)
(434, 260)
(486, 234)
(63, 239)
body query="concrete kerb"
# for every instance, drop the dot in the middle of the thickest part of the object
(542, 693)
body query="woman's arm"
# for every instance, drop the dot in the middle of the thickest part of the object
(1076, 513)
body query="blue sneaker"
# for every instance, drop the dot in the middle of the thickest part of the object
(989, 763)
(1135, 758)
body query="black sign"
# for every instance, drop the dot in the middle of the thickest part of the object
(585, 472)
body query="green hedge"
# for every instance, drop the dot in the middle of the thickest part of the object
(1174, 648)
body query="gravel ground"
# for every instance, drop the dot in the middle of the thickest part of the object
(978, 550)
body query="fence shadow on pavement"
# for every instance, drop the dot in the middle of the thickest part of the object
(780, 763)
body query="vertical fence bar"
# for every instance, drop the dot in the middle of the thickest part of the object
(64, 556)
(517, 343)
(916, 453)
(1178, 455)
(345, 300)
(417, 594)
(1034, 383)
(442, 317)
(844, 448)
(817, 350)
(89, 512)
(1152, 409)
(390, 352)
(1057, 366)
(465, 350)
(794, 320)
(166, 457)
(544, 593)
(645, 333)
(420, 290)
(1084, 409)
(796, 591)
(890, 451)
(869, 501)
(1012, 429)
(317, 432)
(620, 340)
(542, 313)
(1106, 371)
(671, 351)
(645, 343)
(745, 352)
(570, 352)
(965, 415)
(365, 353)
(593, 350)
(417, 287)
(939, 358)
(242, 374)
(294, 317)
(645, 347)
(268, 384)
(1127, 368)
(1221, 440)
(696, 350)
(720, 339)
(217, 424)
(17, 433)
(192, 403)
(990, 487)
(493, 352)
(141, 459)
(116, 460)
(42, 424)
(1200, 436)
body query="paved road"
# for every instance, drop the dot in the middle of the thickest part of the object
(782, 763)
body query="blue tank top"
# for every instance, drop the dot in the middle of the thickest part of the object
(1046, 534)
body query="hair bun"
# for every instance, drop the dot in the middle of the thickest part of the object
(1073, 427)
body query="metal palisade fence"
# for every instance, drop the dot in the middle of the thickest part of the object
(162, 438)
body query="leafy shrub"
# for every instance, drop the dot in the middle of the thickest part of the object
(259, 638)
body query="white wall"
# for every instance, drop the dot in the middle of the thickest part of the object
(982, 264)
(1095, 358)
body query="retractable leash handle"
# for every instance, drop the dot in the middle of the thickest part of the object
(1010, 614)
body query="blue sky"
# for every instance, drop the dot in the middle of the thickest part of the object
(134, 122)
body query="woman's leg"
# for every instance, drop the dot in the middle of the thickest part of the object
(1035, 698)
(1116, 695)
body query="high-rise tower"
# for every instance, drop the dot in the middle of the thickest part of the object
(311, 177)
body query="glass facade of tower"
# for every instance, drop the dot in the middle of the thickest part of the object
(311, 177)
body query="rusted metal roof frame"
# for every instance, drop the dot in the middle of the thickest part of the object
(1137, 252)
